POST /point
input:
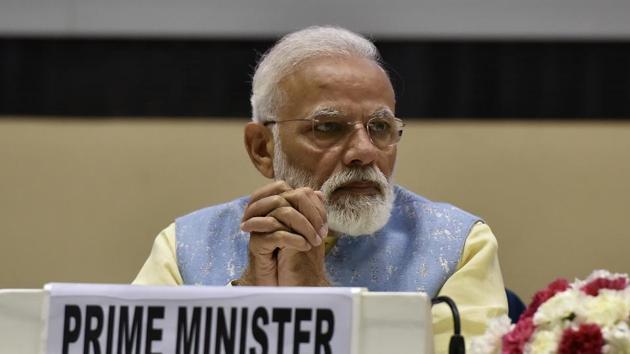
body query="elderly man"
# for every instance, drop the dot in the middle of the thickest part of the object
(324, 129)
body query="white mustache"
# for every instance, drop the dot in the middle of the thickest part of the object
(354, 174)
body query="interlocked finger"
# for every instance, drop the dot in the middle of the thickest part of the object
(274, 188)
(264, 206)
(263, 224)
(318, 202)
(297, 223)
(267, 243)
(308, 204)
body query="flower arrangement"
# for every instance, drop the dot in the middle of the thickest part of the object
(590, 316)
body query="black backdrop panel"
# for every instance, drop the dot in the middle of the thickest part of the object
(205, 78)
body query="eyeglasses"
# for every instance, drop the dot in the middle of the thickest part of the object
(329, 131)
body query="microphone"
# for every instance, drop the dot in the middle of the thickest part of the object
(457, 344)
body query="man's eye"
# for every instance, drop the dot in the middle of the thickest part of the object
(327, 127)
(379, 126)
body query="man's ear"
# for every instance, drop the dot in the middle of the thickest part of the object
(259, 145)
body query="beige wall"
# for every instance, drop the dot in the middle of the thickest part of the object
(82, 200)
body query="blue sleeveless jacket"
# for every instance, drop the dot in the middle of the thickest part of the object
(417, 250)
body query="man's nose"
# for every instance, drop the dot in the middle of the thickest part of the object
(359, 149)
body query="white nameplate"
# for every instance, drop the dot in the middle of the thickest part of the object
(112, 319)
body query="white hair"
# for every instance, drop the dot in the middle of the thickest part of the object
(292, 50)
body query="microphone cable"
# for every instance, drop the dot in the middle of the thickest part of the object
(457, 344)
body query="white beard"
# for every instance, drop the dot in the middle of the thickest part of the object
(348, 214)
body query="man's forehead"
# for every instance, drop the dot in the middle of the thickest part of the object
(337, 86)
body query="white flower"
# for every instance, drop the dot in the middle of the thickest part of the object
(609, 309)
(617, 339)
(559, 307)
(544, 342)
(606, 309)
(490, 342)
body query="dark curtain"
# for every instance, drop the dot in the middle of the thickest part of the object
(211, 78)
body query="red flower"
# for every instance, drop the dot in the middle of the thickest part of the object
(515, 340)
(588, 339)
(596, 285)
(558, 286)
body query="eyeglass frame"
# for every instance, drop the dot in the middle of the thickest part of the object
(399, 122)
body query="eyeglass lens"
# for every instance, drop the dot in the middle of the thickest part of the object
(383, 132)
